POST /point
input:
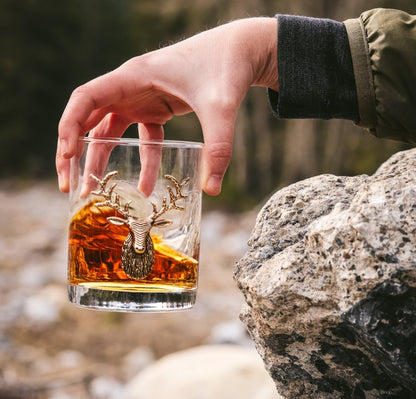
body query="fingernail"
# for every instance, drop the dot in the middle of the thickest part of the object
(61, 183)
(64, 148)
(213, 185)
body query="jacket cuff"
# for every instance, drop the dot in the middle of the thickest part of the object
(316, 78)
(363, 74)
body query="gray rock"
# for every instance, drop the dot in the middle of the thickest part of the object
(330, 285)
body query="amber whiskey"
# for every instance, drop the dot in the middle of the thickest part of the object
(95, 247)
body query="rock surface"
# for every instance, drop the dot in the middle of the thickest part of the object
(330, 285)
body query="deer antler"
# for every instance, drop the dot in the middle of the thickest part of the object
(173, 197)
(108, 193)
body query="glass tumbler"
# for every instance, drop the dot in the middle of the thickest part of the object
(134, 230)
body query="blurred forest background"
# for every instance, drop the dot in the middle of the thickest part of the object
(50, 47)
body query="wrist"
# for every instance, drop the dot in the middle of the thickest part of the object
(261, 41)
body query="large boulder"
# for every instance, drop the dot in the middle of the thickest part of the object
(330, 285)
(204, 372)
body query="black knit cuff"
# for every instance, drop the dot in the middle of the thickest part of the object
(316, 78)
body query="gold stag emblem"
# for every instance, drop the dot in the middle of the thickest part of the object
(137, 256)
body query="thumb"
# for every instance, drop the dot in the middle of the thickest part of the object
(218, 130)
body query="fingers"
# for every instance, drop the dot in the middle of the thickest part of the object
(215, 160)
(218, 130)
(85, 109)
(150, 156)
(94, 95)
(98, 153)
(62, 167)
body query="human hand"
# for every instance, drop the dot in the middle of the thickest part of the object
(209, 74)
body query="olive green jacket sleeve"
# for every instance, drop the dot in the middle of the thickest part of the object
(383, 50)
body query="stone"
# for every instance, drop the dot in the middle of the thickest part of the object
(137, 360)
(230, 332)
(44, 307)
(330, 284)
(204, 372)
(105, 387)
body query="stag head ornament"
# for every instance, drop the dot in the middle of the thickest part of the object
(137, 256)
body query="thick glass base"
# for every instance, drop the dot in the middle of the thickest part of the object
(131, 301)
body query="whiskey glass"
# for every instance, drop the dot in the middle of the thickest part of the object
(134, 230)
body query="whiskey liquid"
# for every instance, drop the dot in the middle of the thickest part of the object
(95, 247)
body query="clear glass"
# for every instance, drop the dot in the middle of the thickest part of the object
(134, 230)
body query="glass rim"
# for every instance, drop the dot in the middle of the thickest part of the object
(138, 141)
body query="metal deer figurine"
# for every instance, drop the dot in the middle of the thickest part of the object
(137, 256)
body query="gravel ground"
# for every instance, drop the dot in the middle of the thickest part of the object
(52, 349)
